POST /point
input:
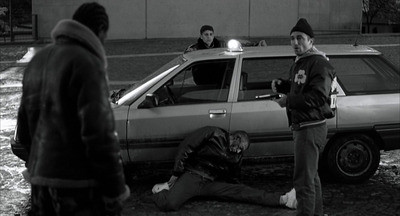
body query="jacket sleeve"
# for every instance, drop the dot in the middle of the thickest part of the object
(190, 48)
(234, 172)
(190, 145)
(23, 135)
(98, 128)
(319, 87)
(28, 111)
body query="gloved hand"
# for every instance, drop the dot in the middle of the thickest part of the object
(274, 85)
(262, 43)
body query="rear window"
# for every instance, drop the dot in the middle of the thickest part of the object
(366, 74)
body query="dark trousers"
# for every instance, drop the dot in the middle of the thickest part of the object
(67, 202)
(191, 185)
(308, 144)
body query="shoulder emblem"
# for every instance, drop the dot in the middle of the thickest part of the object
(300, 77)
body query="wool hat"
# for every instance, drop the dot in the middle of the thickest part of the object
(303, 26)
(92, 15)
(205, 28)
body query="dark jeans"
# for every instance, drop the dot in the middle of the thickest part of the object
(308, 144)
(67, 201)
(191, 185)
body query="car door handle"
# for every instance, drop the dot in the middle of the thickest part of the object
(218, 113)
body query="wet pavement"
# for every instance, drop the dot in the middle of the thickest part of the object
(378, 196)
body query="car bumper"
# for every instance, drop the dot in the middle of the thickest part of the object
(390, 135)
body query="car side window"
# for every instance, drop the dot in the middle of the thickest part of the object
(365, 74)
(257, 75)
(201, 82)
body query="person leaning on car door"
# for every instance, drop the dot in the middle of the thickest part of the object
(66, 123)
(207, 40)
(307, 103)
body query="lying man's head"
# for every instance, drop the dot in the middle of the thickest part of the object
(239, 141)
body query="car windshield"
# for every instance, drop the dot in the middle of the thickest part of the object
(158, 74)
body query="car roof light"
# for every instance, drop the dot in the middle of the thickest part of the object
(234, 46)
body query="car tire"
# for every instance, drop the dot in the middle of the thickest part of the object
(352, 158)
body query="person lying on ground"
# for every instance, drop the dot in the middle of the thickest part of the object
(208, 164)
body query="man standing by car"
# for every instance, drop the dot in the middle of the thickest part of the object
(208, 164)
(307, 102)
(66, 123)
(206, 40)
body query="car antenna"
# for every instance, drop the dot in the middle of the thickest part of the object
(355, 43)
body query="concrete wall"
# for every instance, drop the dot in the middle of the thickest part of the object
(138, 19)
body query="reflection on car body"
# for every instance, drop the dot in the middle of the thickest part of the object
(232, 90)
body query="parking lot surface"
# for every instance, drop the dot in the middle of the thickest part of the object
(378, 196)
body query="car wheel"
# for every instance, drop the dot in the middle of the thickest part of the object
(352, 158)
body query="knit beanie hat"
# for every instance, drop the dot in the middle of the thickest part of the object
(303, 26)
(205, 28)
(92, 15)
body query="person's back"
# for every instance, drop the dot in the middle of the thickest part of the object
(66, 122)
(54, 83)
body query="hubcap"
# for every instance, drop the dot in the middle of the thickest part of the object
(354, 158)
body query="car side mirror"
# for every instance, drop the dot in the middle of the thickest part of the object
(150, 101)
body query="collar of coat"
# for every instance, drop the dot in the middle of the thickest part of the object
(310, 52)
(78, 31)
(214, 44)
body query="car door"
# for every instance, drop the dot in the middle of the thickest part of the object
(368, 97)
(188, 99)
(256, 113)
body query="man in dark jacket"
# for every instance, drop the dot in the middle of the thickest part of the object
(202, 75)
(307, 102)
(66, 123)
(206, 40)
(208, 164)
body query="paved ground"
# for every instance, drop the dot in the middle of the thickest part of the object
(378, 196)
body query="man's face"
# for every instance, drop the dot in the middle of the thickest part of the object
(236, 144)
(300, 42)
(207, 37)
